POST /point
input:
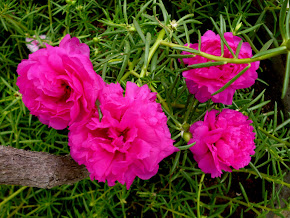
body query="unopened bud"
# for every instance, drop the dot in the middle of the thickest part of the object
(96, 39)
(132, 29)
(187, 136)
(238, 26)
(79, 8)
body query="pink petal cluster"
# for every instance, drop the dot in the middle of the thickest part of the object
(203, 82)
(33, 44)
(222, 140)
(59, 84)
(126, 137)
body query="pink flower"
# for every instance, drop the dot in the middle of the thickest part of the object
(203, 82)
(58, 84)
(127, 137)
(33, 46)
(222, 141)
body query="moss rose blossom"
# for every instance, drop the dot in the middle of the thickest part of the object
(203, 82)
(58, 84)
(223, 140)
(127, 137)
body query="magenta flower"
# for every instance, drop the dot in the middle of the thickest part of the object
(58, 84)
(222, 141)
(127, 137)
(203, 82)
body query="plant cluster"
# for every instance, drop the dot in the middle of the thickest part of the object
(152, 44)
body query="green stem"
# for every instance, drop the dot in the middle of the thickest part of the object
(287, 75)
(162, 101)
(12, 196)
(242, 203)
(192, 103)
(174, 212)
(250, 42)
(264, 176)
(144, 68)
(152, 51)
(135, 74)
(273, 137)
(206, 206)
(50, 15)
(176, 105)
(131, 71)
(198, 195)
(283, 50)
(21, 205)
(232, 80)
(126, 75)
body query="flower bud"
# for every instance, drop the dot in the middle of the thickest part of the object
(238, 26)
(96, 39)
(131, 29)
(79, 8)
(187, 136)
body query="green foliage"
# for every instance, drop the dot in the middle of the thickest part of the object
(141, 41)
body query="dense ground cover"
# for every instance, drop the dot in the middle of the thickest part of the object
(120, 35)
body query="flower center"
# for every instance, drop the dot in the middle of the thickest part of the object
(67, 91)
(124, 135)
(119, 139)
